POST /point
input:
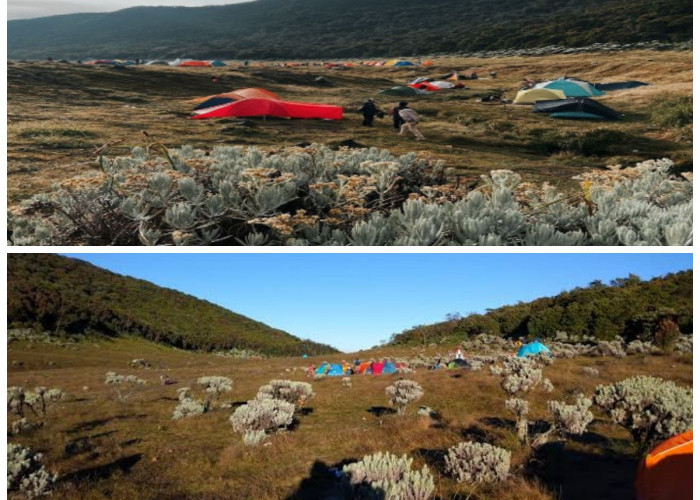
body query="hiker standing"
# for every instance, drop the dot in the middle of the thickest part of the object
(398, 121)
(411, 119)
(459, 354)
(368, 110)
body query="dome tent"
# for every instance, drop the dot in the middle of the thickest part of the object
(529, 96)
(577, 107)
(666, 473)
(532, 349)
(571, 87)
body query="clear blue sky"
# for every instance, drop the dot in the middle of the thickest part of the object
(355, 301)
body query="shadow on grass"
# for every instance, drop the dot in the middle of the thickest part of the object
(582, 475)
(476, 433)
(92, 424)
(378, 411)
(122, 465)
(324, 482)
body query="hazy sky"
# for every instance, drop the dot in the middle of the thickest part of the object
(24, 9)
(355, 301)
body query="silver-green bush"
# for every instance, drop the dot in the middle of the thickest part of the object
(261, 415)
(26, 474)
(471, 462)
(124, 385)
(402, 392)
(317, 196)
(650, 408)
(388, 477)
(296, 393)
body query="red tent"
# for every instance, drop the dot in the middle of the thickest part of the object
(195, 63)
(271, 107)
(425, 86)
(666, 473)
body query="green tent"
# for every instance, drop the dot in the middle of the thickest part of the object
(400, 90)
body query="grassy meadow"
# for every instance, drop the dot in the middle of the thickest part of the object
(102, 448)
(59, 114)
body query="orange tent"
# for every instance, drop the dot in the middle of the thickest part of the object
(363, 367)
(666, 473)
(238, 94)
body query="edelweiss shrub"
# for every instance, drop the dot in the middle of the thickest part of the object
(26, 474)
(215, 386)
(402, 392)
(296, 393)
(520, 408)
(567, 419)
(384, 476)
(471, 462)
(591, 372)
(684, 343)
(124, 385)
(650, 408)
(37, 402)
(347, 382)
(261, 415)
(608, 348)
(188, 406)
(316, 196)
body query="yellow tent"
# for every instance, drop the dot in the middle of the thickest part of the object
(529, 96)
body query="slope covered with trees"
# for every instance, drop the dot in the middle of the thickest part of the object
(343, 28)
(628, 307)
(62, 296)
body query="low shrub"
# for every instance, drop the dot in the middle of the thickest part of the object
(25, 472)
(403, 392)
(261, 415)
(124, 385)
(384, 476)
(650, 408)
(471, 462)
(296, 393)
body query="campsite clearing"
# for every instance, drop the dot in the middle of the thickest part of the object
(59, 114)
(102, 448)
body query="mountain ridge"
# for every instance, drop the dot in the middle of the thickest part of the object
(63, 295)
(268, 29)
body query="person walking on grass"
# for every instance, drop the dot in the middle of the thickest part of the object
(369, 110)
(398, 121)
(411, 119)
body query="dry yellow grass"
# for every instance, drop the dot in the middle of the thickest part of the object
(101, 448)
(471, 137)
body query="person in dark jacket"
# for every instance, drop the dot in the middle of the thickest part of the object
(398, 121)
(369, 110)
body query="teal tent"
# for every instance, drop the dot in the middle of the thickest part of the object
(321, 370)
(532, 349)
(218, 63)
(571, 87)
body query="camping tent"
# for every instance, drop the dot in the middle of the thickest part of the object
(365, 367)
(218, 63)
(389, 368)
(529, 96)
(199, 64)
(532, 349)
(577, 107)
(271, 107)
(443, 84)
(400, 90)
(666, 473)
(336, 370)
(377, 368)
(571, 87)
(457, 363)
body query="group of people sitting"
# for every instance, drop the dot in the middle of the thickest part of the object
(405, 118)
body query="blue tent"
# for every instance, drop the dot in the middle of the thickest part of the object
(404, 63)
(532, 349)
(336, 370)
(389, 368)
(218, 63)
(321, 370)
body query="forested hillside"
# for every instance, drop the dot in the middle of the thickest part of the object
(344, 28)
(628, 307)
(62, 296)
